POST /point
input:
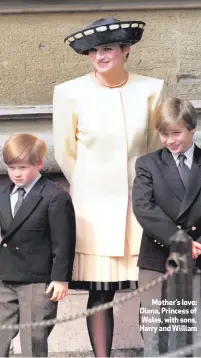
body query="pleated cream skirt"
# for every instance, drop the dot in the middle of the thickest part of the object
(93, 268)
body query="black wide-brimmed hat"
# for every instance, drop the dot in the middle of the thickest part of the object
(105, 31)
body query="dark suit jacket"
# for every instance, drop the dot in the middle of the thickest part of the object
(160, 204)
(39, 242)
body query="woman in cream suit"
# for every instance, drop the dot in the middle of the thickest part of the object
(102, 122)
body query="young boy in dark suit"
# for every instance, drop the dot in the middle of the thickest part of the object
(37, 223)
(167, 197)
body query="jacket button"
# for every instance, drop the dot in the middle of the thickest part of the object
(5, 245)
(17, 248)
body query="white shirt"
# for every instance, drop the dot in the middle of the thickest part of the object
(14, 193)
(189, 156)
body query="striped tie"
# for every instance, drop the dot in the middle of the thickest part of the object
(20, 199)
(183, 170)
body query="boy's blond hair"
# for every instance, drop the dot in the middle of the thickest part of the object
(175, 110)
(24, 148)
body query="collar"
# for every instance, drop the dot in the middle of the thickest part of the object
(188, 153)
(28, 186)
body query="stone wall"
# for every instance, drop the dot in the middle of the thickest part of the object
(34, 57)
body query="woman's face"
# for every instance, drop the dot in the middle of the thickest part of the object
(106, 58)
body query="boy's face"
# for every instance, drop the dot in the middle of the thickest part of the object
(177, 138)
(22, 173)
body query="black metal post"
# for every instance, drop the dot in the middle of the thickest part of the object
(178, 312)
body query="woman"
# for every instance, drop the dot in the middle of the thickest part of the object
(101, 123)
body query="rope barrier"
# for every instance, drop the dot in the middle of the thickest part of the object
(91, 311)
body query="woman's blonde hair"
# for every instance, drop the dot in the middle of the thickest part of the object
(175, 110)
(23, 147)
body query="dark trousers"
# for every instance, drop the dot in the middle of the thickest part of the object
(25, 303)
(156, 342)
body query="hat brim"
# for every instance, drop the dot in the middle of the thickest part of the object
(122, 32)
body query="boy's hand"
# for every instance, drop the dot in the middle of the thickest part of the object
(196, 249)
(60, 290)
(196, 246)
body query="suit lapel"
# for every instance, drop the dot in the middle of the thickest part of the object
(31, 201)
(194, 183)
(171, 174)
(5, 208)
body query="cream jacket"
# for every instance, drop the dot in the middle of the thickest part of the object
(98, 133)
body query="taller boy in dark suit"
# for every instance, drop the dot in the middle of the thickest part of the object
(166, 196)
(37, 249)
